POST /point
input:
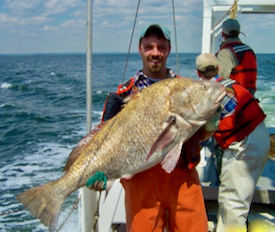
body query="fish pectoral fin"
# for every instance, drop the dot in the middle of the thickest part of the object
(167, 135)
(171, 159)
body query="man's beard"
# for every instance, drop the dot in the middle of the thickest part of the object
(155, 68)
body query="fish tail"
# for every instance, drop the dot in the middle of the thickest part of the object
(43, 203)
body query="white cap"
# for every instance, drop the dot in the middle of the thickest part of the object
(206, 61)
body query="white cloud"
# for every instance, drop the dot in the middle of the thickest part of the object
(49, 28)
(69, 24)
(4, 18)
(60, 6)
(46, 28)
(113, 22)
(38, 19)
(22, 7)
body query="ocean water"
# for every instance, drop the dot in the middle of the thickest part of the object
(43, 116)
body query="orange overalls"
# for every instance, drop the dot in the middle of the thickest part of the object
(156, 200)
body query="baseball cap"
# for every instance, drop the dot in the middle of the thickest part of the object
(231, 27)
(165, 31)
(206, 62)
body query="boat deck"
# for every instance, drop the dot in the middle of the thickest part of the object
(262, 207)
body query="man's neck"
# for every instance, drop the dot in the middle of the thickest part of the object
(232, 39)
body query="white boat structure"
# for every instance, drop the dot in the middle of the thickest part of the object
(111, 210)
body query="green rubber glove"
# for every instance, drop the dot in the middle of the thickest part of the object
(98, 177)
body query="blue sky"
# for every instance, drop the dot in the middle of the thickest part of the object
(59, 26)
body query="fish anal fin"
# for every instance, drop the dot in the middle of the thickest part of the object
(171, 159)
(168, 134)
(127, 176)
(109, 185)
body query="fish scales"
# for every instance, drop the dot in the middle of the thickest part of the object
(145, 129)
(150, 129)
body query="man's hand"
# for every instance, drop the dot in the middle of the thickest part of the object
(97, 182)
(213, 123)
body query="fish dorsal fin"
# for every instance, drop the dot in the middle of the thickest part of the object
(131, 97)
(75, 153)
(171, 159)
(165, 137)
(82, 144)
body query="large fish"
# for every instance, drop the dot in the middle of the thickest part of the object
(150, 129)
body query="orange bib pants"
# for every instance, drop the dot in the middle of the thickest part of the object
(156, 200)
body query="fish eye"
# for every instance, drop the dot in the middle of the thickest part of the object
(203, 86)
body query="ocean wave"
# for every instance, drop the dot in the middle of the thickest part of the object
(7, 105)
(27, 171)
(6, 85)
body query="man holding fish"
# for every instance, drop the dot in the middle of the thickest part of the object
(155, 197)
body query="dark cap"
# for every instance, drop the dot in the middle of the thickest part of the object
(231, 27)
(165, 31)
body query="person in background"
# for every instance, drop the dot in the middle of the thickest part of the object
(245, 142)
(237, 60)
(154, 199)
